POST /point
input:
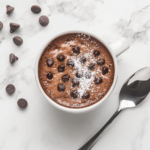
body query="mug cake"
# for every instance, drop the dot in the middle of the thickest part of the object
(76, 70)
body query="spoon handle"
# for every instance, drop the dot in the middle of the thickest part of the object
(88, 145)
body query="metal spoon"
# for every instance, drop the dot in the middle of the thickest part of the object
(132, 93)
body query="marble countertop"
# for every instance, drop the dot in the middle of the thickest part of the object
(43, 127)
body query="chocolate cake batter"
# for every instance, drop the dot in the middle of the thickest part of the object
(76, 70)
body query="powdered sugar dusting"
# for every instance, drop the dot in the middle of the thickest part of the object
(87, 81)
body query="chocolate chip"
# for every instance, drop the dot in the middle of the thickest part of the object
(91, 66)
(76, 49)
(61, 68)
(67, 40)
(79, 74)
(13, 27)
(74, 94)
(96, 53)
(36, 9)
(51, 45)
(65, 78)
(61, 57)
(75, 82)
(101, 62)
(70, 63)
(9, 9)
(50, 62)
(44, 21)
(18, 40)
(10, 89)
(88, 75)
(12, 58)
(1, 25)
(49, 75)
(98, 80)
(83, 60)
(104, 70)
(86, 95)
(61, 87)
(22, 103)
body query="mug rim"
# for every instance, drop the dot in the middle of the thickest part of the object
(84, 109)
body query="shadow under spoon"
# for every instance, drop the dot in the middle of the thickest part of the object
(132, 93)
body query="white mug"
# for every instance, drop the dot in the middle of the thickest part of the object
(115, 50)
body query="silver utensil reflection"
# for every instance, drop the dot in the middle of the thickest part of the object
(132, 93)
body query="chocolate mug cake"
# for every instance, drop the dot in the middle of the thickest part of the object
(76, 70)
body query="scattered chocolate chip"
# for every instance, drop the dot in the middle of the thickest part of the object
(61, 68)
(1, 25)
(9, 9)
(76, 49)
(98, 80)
(104, 70)
(88, 75)
(65, 78)
(13, 27)
(74, 94)
(50, 62)
(12, 58)
(75, 82)
(86, 95)
(44, 21)
(22, 103)
(79, 74)
(36, 9)
(101, 62)
(49, 75)
(10, 89)
(70, 63)
(61, 87)
(61, 57)
(83, 60)
(96, 53)
(18, 40)
(91, 66)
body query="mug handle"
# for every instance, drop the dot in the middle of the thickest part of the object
(120, 46)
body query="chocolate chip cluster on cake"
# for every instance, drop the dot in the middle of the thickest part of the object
(76, 70)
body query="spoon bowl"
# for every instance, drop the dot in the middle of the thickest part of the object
(135, 89)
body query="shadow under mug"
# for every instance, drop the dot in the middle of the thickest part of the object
(115, 50)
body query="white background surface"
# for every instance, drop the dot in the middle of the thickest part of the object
(43, 127)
